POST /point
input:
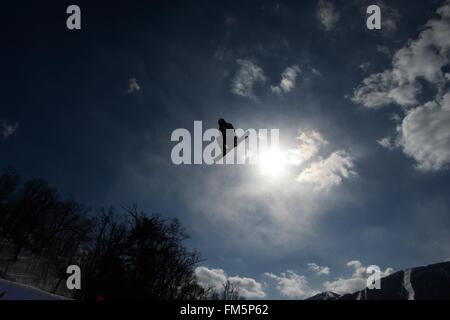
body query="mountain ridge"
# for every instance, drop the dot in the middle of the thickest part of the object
(430, 282)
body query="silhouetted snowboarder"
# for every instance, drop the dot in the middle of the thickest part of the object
(223, 127)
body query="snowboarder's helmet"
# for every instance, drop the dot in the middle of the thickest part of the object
(221, 122)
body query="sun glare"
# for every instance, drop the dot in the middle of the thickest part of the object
(272, 163)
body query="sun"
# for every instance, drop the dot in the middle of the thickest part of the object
(272, 163)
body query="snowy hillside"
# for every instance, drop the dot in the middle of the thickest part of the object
(29, 272)
(14, 291)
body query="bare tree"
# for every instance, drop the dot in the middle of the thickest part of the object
(130, 255)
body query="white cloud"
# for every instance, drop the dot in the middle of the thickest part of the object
(133, 86)
(292, 285)
(322, 173)
(318, 270)
(210, 277)
(7, 129)
(316, 72)
(420, 59)
(381, 89)
(395, 117)
(384, 50)
(309, 145)
(386, 142)
(327, 14)
(365, 66)
(356, 282)
(288, 80)
(343, 286)
(248, 287)
(243, 82)
(425, 134)
(329, 172)
(216, 278)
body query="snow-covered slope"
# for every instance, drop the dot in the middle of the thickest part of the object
(27, 271)
(14, 291)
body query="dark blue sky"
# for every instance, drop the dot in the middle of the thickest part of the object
(386, 203)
